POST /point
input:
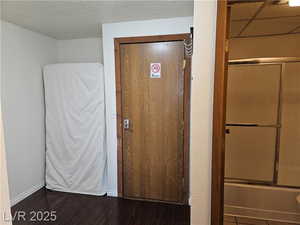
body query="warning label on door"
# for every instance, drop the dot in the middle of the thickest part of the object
(155, 70)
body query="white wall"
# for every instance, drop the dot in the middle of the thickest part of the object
(79, 50)
(25, 52)
(23, 55)
(205, 13)
(4, 189)
(128, 29)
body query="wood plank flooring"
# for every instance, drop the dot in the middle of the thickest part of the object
(76, 209)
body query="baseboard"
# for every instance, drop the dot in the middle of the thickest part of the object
(25, 194)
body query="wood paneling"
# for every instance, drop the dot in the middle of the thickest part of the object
(153, 145)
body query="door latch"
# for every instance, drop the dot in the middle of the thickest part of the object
(126, 124)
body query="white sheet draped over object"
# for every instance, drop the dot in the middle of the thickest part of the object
(75, 128)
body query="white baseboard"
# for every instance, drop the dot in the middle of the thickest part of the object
(25, 194)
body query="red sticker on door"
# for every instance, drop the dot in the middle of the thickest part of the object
(155, 70)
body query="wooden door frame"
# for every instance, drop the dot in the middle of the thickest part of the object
(219, 113)
(187, 88)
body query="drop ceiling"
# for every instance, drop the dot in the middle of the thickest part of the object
(264, 19)
(82, 19)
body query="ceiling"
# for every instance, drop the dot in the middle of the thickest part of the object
(82, 19)
(264, 19)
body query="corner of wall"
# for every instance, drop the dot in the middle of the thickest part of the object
(15, 200)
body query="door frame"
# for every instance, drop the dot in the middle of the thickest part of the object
(186, 97)
(219, 112)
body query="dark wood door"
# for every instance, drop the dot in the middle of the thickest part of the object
(153, 166)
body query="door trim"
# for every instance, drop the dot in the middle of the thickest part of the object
(219, 113)
(187, 88)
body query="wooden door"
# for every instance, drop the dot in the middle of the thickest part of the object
(153, 143)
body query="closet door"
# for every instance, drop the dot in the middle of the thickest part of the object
(252, 117)
(289, 160)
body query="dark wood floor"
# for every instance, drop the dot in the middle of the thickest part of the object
(75, 209)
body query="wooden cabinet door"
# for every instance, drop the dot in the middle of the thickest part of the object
(152, 104)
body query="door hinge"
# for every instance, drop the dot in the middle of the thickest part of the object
(183, 64)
